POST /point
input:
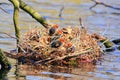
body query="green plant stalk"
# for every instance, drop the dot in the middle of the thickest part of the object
(33, 13)
(15, 18)
(16, 23)
(4, 61)
(107, 43)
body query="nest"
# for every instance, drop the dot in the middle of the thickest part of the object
(70, 45)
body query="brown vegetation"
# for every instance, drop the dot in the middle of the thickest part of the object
(71, 45)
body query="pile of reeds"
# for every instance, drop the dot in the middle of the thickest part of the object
(77, 45)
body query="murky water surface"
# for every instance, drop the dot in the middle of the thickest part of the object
(100, 19)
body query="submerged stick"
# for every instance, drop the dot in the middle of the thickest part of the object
(118, 47)
(101, 3)
(8, 35)
(2, 8)
(61, 11)
(116, 41)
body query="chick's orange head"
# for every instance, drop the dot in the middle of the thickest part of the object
(59, 31)
(55, 26)
(62, 40)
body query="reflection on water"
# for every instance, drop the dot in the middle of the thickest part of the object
(100, 19)
(55, 72)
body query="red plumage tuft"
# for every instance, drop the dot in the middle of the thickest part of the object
(69, 44)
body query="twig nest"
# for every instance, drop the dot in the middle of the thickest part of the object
(59, 44)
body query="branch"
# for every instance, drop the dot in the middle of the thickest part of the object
(81, 24)
(101, 3)
(33, 13)
(3, 10)
(69, 56)
(45, 60)
(61, 11)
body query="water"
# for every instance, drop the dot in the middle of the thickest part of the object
(100, 19)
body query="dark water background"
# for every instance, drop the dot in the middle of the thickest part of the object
(100, 19)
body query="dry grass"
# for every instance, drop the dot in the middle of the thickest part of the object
(35, 44)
